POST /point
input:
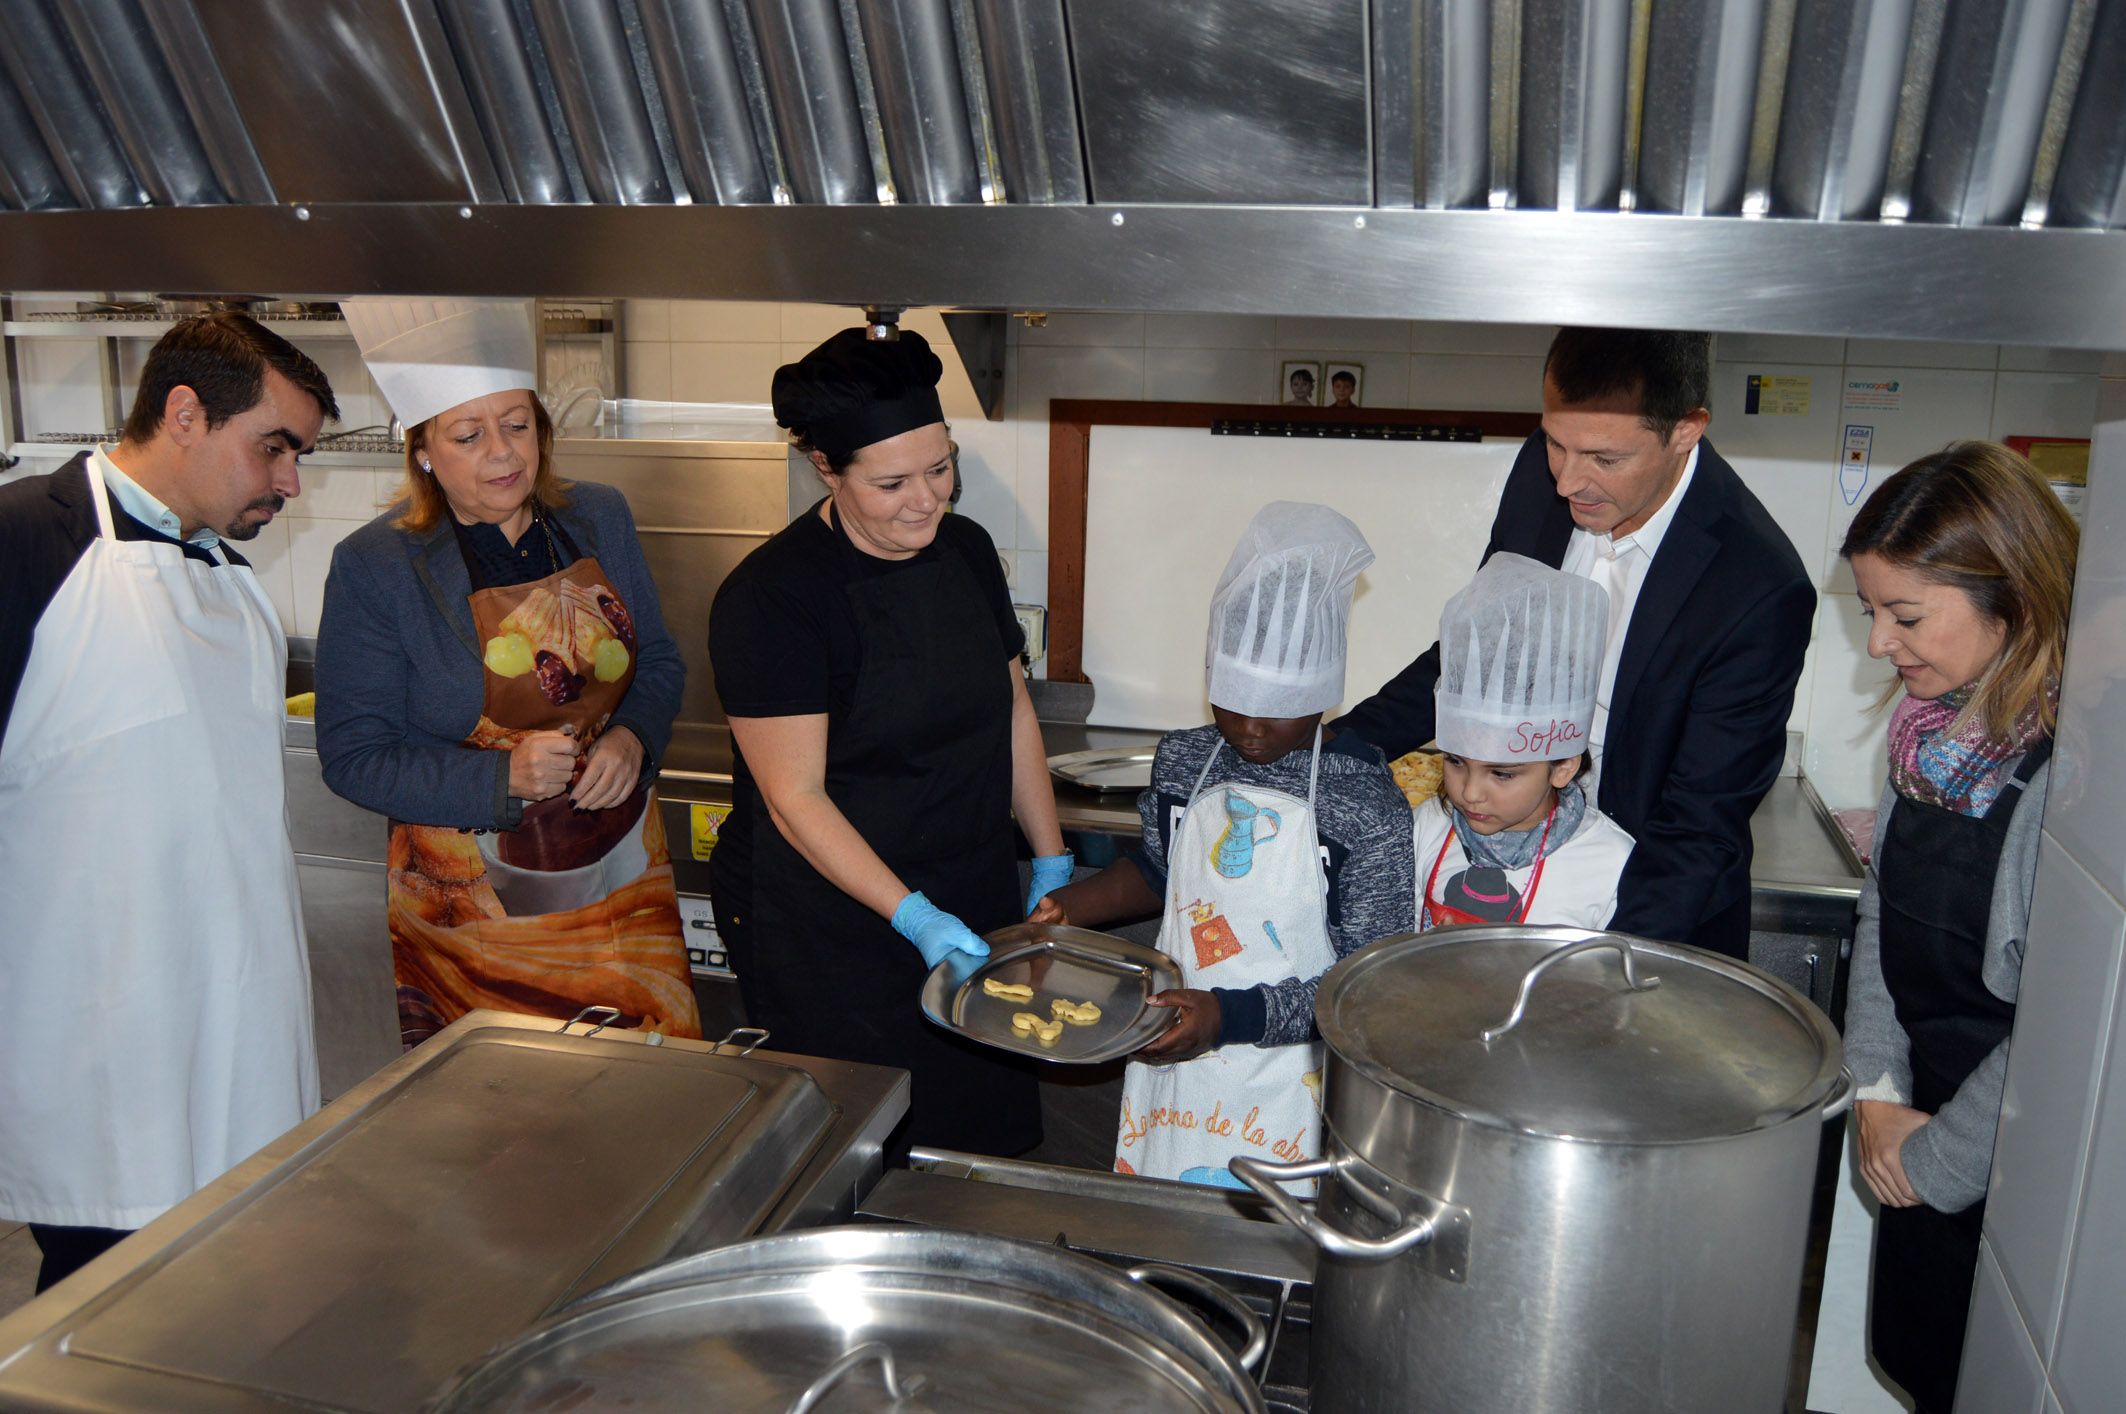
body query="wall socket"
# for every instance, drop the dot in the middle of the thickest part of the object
(1033, 623)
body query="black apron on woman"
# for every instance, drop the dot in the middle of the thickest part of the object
(1935, 882)
(921, 767)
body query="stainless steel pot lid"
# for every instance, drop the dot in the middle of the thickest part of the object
(1703, 1047)
(857, 1317)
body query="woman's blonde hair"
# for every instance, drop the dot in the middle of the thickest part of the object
(423, 499)
(1977, 517)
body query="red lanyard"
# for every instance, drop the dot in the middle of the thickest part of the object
(1534, 880)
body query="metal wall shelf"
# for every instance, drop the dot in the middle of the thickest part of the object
(156, 328)
(387, 461)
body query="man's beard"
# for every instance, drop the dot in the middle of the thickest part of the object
(241, 529)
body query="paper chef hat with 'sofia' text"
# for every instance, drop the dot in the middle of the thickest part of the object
(1520, 658)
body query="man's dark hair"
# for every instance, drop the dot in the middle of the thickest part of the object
(223, 359)
(1671, 372)
(1344, 375)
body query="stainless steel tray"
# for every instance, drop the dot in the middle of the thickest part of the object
(1074, 964)
(1105, 769)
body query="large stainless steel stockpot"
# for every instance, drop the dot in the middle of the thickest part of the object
(1562, 1171)
(870, 1317)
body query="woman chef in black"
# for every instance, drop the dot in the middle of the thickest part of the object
(867, 658)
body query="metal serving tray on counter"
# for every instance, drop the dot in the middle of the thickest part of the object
(1108, 770)
(1059, 963)
(490, 1176)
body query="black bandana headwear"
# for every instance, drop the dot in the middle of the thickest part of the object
(852, 391)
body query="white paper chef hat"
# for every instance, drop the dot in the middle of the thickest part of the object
(1281, 610)
(429, 355)
(1520, 656)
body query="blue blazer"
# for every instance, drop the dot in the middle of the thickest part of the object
(401, 678)
(1705, 683)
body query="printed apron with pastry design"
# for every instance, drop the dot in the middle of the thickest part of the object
(1246, 904)
(573, 908)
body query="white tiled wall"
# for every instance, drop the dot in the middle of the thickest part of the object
(2052, 1285)
(700, 351)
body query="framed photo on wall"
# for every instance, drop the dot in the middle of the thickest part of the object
(1341, 389)
(1299, 383)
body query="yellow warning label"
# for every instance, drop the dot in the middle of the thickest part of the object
(707, 822)
(1770, 395)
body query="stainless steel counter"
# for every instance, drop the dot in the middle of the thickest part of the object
(357, 1260)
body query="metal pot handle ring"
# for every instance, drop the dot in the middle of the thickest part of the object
(1264, 1177)
(1842, 1098)
(1258, 1339)
(1622, 948)
(837, 1372)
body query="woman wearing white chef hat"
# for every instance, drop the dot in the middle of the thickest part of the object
(1512, 838)
(499, 608)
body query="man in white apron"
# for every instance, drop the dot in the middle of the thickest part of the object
(155, 1019)
(1248, 906)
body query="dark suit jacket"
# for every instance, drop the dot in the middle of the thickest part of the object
(401, 681)
(1697, 723)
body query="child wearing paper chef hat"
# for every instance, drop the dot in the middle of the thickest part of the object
(1512, 837)
(1272, 846)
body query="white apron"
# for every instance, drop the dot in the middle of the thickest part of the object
(154, 989)
(1246, 903)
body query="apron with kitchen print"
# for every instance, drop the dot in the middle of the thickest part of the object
(573, 908)
(1246, 904)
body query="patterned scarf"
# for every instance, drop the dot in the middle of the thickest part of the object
(1963, 771)
(1515, 849)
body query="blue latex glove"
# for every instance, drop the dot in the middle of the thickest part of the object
(935, 933)
(1050, 872)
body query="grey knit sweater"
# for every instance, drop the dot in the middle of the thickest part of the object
(1949, 1159)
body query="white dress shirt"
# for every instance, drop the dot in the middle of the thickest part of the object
(142, 505)
(1619, 565)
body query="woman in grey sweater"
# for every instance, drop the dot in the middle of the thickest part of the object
(1965, 564)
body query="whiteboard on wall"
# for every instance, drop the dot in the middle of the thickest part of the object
(1165, 506)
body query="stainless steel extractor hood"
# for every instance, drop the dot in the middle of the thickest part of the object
(1902, 168)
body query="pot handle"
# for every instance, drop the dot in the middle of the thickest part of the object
(1621, 946)
(1258, 1339)
(1841, 1099)
(1263, 1177)
(837, 1372)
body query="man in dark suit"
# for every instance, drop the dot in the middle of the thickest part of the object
(1710, 614)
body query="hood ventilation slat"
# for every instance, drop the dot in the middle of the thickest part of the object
(1952, 112)
(1898, 168)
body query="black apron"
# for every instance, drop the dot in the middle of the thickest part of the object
(921, 767)
(1935, 884)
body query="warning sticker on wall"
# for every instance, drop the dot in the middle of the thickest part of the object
(1770, 395)
(1853, 463)
(707, 822)
(1871, 395)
